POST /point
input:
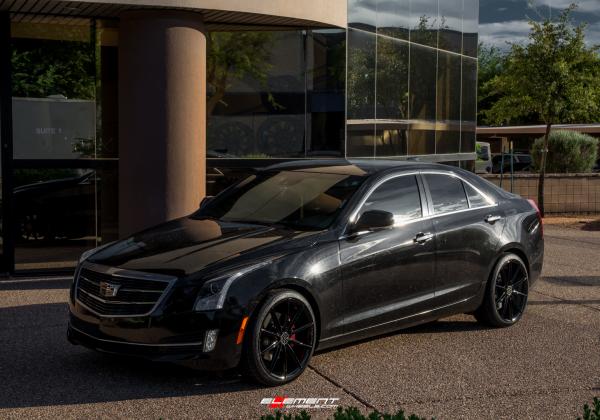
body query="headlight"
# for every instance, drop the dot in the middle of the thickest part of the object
(213, 293)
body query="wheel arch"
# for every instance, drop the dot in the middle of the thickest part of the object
(518, 250)
(304, 289)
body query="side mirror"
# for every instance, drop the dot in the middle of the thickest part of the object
(206, 200)
(373, 220)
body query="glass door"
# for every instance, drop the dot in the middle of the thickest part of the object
(64, 137)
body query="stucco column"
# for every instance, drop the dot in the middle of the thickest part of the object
(162, 116)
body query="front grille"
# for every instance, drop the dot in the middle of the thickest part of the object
(137, 293)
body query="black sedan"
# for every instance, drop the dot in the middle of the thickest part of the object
(308, 255)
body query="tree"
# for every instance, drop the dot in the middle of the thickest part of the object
(489, 65)
(555, 76)
(233, 56)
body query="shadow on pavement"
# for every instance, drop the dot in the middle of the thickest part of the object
(565, 302)
(592, 226)
(37, 284)
(573, 280)
(39, 367)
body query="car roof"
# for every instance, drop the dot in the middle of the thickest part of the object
(360, 167)
(372, 167)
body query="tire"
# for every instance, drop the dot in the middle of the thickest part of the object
(282, 339)
(506, 293)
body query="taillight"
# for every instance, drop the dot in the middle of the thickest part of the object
(539, 214)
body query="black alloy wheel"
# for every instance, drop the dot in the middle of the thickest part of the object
(282, 339)
(506, 294)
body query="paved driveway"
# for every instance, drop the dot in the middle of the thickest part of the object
(547, 366)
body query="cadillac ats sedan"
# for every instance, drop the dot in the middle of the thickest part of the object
(304, 256)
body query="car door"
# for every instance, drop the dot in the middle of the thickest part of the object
(389, 274)
(467, 225)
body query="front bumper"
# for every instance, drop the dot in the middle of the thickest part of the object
(161, 336)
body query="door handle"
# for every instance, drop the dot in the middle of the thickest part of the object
(421, 237)
(492, 219)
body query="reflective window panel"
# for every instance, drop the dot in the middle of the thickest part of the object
(470, 26)
(421, 142)
(423, 62)
(392, 79)
(468, 105)
(326, 82)
(361, 75)
(450, 24)
(360, 141)
(447, 141)
(424, 22)
(391, 139)
(393, 18)
(362, 14)
(448, 88)
(57, 96)
(258, 112)
(60, 213)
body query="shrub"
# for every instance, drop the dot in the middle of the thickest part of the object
(591, 413)
(348, 413)
(568, 151)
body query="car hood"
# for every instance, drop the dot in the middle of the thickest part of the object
(185, 246)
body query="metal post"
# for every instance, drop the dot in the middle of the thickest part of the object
(501, 165)
(512, 172)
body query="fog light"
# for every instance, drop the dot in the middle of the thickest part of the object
(210, 340)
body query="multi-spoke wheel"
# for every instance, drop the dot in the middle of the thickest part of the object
(506, 294)
(282, 339)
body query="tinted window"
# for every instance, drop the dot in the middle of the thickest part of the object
(399, 196)
(475, 199)
(447, 193)
(300, 200)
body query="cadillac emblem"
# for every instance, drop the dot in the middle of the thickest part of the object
(109, 289)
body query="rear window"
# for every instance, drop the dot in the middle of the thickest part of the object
(475, 199)
(447, 193)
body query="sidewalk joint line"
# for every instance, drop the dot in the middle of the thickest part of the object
(343, 388)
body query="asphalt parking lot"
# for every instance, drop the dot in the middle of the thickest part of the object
(546, 366)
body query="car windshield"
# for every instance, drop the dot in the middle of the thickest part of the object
(303, 200)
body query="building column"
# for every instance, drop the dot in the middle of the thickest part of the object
(162, 116)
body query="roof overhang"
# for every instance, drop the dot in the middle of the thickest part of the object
(217, 14)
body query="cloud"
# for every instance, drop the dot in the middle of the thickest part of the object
(500, 34)
(584, 5)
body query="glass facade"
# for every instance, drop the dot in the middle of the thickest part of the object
(400, 81)
(411, 78)
(287, 103)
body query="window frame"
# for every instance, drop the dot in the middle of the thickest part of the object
(486, 197)
(420, 190)
(426, 201)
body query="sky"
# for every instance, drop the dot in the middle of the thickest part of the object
(503, 21)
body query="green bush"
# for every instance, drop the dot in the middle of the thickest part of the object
(568, 152)
(348, 413)
(591, 413)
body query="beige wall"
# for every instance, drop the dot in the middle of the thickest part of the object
(563, 193)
